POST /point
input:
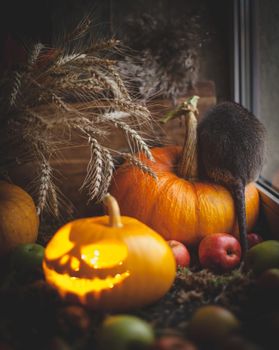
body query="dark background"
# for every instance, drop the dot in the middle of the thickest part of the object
(39, 20)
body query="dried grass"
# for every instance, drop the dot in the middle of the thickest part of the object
(73, 87)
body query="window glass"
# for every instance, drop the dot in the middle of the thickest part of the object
(267, 83)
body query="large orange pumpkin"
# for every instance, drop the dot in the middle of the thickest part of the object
(19, 221)
(180, 207)
(113, 263)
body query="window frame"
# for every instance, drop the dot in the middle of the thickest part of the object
(245, 92)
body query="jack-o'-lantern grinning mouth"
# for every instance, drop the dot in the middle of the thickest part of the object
(89, 268)
(82, 286)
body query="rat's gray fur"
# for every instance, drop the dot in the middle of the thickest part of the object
(231, 143)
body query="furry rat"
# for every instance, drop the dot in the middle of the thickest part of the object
(231, 144)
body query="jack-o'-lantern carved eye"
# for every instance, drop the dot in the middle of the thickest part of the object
(104, 254)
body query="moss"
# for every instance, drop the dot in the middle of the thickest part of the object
(31, 313)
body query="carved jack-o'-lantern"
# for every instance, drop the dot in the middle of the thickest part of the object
(109, 262)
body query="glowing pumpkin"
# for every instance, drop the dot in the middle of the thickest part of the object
(179, 205)
(109, 262)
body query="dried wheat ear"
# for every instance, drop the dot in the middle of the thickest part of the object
(73, 87)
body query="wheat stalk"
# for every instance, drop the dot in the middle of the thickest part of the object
(139, 164)
(135, 141)
(103, 45)
(34, 54)
(16, 88)
(70, 88)
(80, 30)
(45, 185)
(119, 83)
(93, 179)
(108, 172)
(53, 199)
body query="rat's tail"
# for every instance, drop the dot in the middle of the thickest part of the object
(238, 190)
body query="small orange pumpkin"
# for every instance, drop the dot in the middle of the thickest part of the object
(178, 205)
(109, 262)
(19, 221)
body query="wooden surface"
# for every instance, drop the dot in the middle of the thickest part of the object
(71, 170)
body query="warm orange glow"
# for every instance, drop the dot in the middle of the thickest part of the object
(105, 265)
(64, 259)
(82, 286)
(61, 245)
(92, 267)
(75, 264)
(104, 254)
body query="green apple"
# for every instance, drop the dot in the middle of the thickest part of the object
(263, 256)
(211, 324)
(123, 332)
(27, 258)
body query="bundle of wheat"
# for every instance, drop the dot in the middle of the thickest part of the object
(71, 88)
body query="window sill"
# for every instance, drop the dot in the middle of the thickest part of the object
(270, 210)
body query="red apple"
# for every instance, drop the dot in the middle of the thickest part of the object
(172, 342)
(253, 239)
(181, 253)
(219, 252)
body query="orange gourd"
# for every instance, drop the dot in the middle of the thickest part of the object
(109, 262)
(178, 205)
(19, 221)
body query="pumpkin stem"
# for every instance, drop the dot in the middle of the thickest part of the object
(113, 211)
(188, 165)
